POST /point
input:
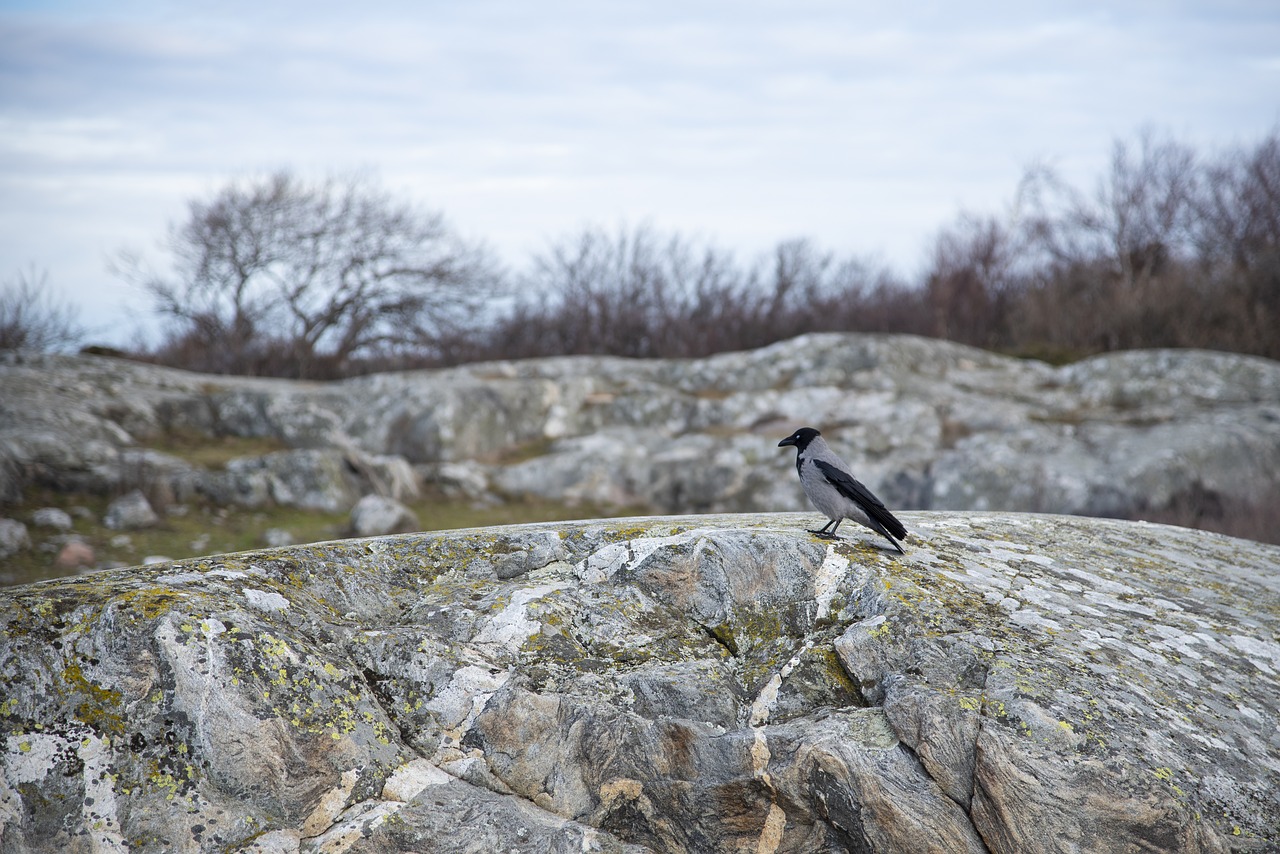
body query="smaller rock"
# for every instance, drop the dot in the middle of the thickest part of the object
(13, 537)
(122, 541)
(52, 517)
(456, 480)
(75, 555)
(130, 511)
(375, 515)
(149, 559)
(277, 537)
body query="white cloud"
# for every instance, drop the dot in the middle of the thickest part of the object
(860, 125)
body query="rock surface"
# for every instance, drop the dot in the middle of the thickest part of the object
(13, 537)
(52, 517)
(928, 425)
(698, 684)
(375, 515)
(130, 511)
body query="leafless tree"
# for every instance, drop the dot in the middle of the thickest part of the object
(632, 293)
(32, 318)
(316, 273)
(969, 281)
(1138, 217)
(1238, 207)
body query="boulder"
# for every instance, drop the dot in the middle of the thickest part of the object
(276, 537)
(130, 511)
(52, 517)
(310, 479)
(375, 515)
(75, 554)
(688, 684)
(13, 537)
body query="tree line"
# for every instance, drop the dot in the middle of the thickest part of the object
(278, 276)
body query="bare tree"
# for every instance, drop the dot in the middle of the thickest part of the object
(1138, 216)
(633, 293)
(32, 319)
(968, 284)
(320, 273)
(1238, 207)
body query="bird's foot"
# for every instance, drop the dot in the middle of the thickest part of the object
(826, 535)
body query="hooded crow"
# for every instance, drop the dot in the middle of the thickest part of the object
(836, 492)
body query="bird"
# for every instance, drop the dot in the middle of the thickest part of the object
(836, 492)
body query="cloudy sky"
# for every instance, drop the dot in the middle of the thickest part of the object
(864, 126)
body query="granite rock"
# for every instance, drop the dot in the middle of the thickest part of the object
(703, 684)
(927, 424)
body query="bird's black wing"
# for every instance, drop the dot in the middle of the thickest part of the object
(854, 490)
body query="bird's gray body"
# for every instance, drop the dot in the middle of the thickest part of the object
(831, 486)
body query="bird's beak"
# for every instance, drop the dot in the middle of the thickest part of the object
(790, 440)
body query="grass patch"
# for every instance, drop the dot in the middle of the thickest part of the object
(195, 530)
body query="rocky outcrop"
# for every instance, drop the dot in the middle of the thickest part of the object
(701, 684)
(928, 424)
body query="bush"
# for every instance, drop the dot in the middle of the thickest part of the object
(1169, 250)
(32, 319)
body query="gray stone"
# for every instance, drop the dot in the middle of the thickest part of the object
(130, 511)
(13, 537)
(375, 515)
(689, 684)
(52, 517)
(277, 537)
(927, 424)
(310, 479)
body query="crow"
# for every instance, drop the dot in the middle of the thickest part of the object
(836, 492)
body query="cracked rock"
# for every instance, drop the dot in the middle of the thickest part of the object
(688, 684)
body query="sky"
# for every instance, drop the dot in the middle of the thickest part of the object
(865, 127)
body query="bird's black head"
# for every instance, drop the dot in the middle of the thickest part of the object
(801, 438)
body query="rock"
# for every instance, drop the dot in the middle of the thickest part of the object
(277, 537)
(457, 480)
(309, 479)
(75, 554)
(13, 537)
(130, 511)
(927, 424)
(694, 684)
(52, 517)
(375, 515)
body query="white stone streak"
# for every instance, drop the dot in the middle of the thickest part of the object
(835, 567)
(762, 706)
(512, 626)
(603, 564)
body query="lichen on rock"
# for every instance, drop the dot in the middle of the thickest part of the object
(701, 684)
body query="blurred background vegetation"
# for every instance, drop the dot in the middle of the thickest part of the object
(279, 277)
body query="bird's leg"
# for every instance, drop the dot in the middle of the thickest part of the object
(824, 533)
